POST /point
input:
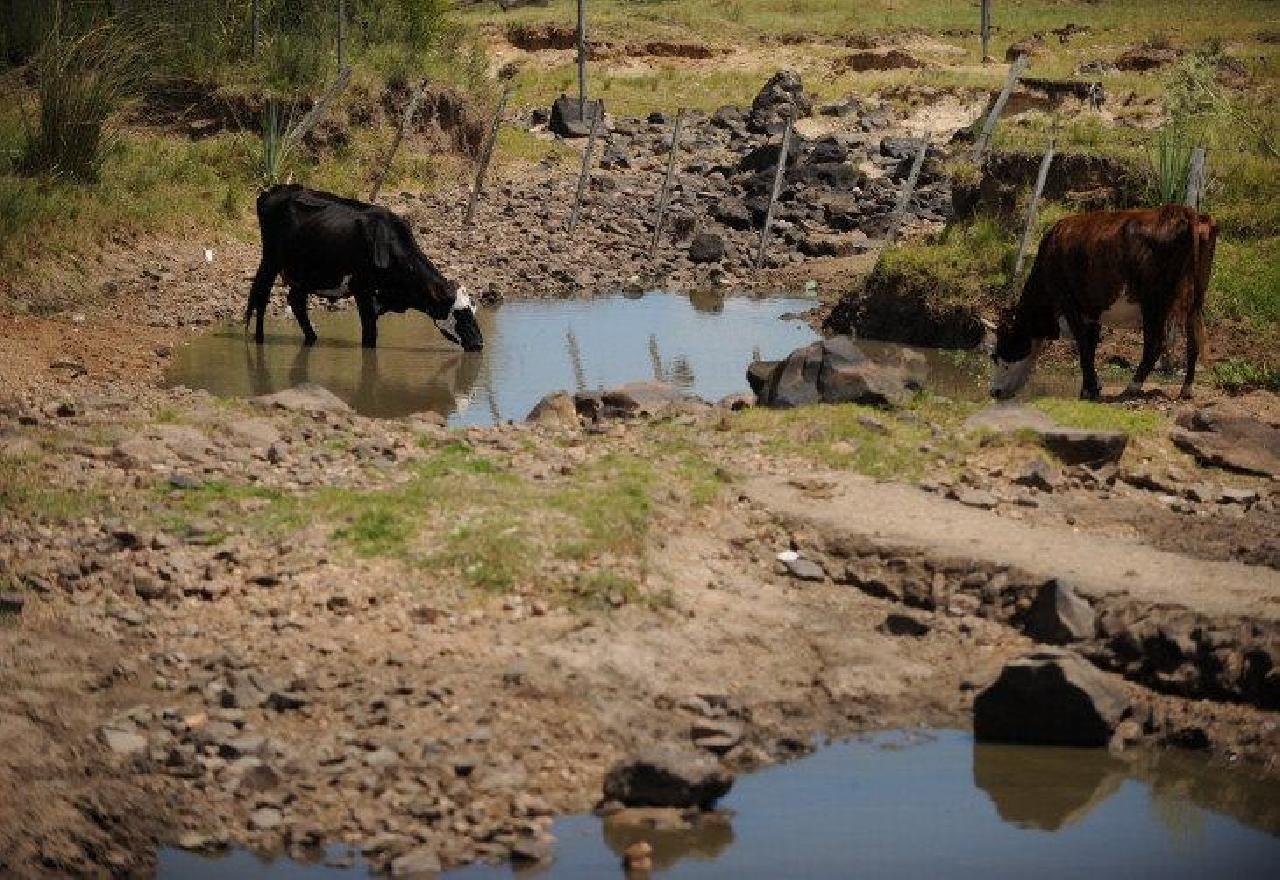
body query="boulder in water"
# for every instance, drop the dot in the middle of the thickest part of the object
(667, 777)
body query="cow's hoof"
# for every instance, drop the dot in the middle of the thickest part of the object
(1185, 393)
(309, 340)
(1094, 394)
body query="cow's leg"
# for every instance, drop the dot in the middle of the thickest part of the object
(368, 309)
(1153, 330)
(1195, 342)
(1086, 334)
(298, 302)
(259, 296)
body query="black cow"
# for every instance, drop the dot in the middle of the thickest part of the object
(322, 243)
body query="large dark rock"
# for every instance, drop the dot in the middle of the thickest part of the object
(827, 150)
(833, 175)
(831, 371)
(729, 117)
(764, 158)
(782, 95)
(1052, 698)
(706, 247)
(732, 212)
(569, 119)
(1058, 616)
(636, 399)
(1081, 446)
(1229, 437)
(667, 777)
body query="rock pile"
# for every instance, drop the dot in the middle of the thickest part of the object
(833, 370)
(837, 196)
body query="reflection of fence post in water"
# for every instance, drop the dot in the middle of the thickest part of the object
(575, 361)
(656, 358)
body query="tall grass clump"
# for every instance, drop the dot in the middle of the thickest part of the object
(1171, 161)
(81, 81)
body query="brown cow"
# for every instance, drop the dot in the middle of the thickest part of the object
(1126, 268)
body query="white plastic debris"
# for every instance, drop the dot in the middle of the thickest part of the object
(208, 255)
(788, 556)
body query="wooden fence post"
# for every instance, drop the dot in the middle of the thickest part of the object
(342, 33)
(778, 174)
(1033, 208)
(1016, 70)
(904, 197)
(255, 26)
(582, 59)
(405, 120)
(666, 185)
(291, 137)
(596, 120)
(1195, 179)
(485, 156)
(984, 25)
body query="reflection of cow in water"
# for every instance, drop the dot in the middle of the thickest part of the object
(320, 242)
(386, 382)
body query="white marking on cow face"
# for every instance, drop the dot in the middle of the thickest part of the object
(449, 323)
(1010, 376)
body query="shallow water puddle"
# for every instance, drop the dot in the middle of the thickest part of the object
(532, 347)
(924, 805)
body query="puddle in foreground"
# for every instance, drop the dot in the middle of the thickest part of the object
(912, 805)
(534, 347)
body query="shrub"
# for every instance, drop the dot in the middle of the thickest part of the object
(1171, 160)
(82, 80)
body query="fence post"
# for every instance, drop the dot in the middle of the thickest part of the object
(596, 120)
(984, 26)
(342, 33)
(291, 137)
(405, 120)
(582, 58)
(904, 197)
(485, 156)
(666, 185)
(1033, 208)
(255, 23)
(778, 174)
(1195, 179)
(1016, 70)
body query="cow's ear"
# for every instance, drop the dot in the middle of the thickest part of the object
(378, 232)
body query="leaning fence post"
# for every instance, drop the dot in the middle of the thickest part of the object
(586, 164)
(255, 20)
(395, 143)
(582, 58)
(1195, 179)
(342, 33)
(666, 185)
(904, 197)
(485, 156)
(1033, 208)
(985, 27)
(1016, 70)
(778, 174)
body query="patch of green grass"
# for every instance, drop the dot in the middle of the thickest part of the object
(27, 492)
(860, 438)
(1246, 281)
(1237, 374)
(1101, 416)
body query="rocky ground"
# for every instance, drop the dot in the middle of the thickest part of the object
(280, 625)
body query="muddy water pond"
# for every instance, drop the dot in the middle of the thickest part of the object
(921, 804)
(700, 343)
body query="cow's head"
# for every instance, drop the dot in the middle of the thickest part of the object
(408, 280)
(1014, 356)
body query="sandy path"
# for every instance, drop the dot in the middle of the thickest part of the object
(1096, 565)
